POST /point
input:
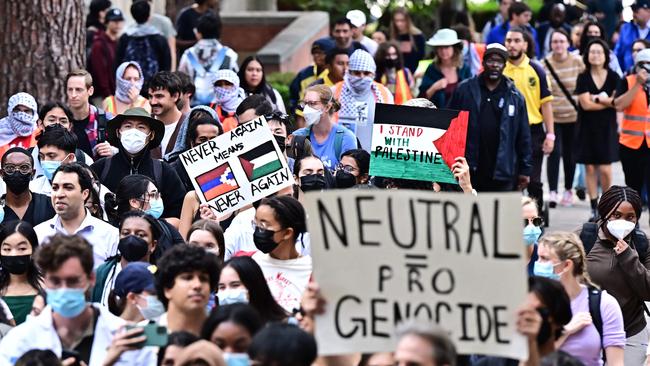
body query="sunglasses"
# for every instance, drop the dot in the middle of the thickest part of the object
(536, 221)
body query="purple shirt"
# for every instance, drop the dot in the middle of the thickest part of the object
(585, 345)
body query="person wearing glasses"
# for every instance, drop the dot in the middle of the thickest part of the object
(19, 202)
(532, 229)
(353, 169)
(328, 139)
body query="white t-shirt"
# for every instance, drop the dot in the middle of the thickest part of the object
(287, 279)
(169, 131)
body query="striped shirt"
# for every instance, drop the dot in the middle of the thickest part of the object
(568, 71)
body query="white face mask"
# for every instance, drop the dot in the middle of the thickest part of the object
(620, 228)
(311, 115)
(133, 140)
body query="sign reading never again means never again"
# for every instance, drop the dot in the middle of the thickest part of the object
(417, 143)
(237, 168)
(383, 257)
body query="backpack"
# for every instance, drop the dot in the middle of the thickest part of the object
(589, 233)
(298, 140)
(142, 51)
(204, 76)
(595, 296)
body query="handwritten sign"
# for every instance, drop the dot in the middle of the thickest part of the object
(237, 168)
(382, 257)
(417, 143)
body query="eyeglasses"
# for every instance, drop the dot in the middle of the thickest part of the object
(536, 221)
(261, 225)
(23, 169)
(149, 196)
(278, 116)
(311, 103)
(346, 168)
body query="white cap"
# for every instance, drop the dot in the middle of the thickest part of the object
(356, 17)
(642, 56)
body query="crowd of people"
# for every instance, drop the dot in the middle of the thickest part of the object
(108, 256)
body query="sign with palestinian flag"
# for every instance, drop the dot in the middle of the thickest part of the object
(237, 168)
(417, 143)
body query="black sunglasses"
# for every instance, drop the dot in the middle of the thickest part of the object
(536, 221)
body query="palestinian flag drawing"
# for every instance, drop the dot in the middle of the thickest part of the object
(262, 160)
(217, 181)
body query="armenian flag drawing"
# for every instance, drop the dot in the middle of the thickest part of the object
(217, 181)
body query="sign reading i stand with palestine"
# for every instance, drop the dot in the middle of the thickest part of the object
(237, 168)
(417, 143)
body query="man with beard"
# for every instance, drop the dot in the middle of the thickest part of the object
(531, 81)
(20, 203)
(164, 93)
(498, 138)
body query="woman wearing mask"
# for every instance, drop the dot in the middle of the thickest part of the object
(615, 265)
(447, 69)
(207, 234)
(597, 131)
(232, 328)
(563, 68)
(129, 81)
(138, 193)
(391, 72)
(410, 38)
(20, 279)
(353, 169)
(532, 229)
(139, 234)
(252, 79)
(310, 175)
(562, 257)
(328, 140)
(134, 296)
(279, 222)
(242, 280)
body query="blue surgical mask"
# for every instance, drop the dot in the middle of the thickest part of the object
(546, 269)
(156, 208)
(531, 234)
(49, 167)
(67, 302)
(232, 296)
(154, 308)
(236, 359)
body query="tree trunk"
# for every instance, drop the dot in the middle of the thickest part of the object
(40, 42)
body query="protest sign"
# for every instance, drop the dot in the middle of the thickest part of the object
(383, 257)
(237, 168)
(417, 143)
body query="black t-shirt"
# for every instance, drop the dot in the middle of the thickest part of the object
(585, 84)
(39, 210)
(186, 22)
(79, 129)
(492, 105)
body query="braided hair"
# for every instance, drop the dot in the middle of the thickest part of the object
(567, 245)
(613, 198)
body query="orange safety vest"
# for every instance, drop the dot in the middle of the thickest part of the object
(228, 123)
(636, 119)
(402, 90)
(111, 104)
(338, 88)
(480, 50)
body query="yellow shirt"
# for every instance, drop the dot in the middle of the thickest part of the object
(531, 80)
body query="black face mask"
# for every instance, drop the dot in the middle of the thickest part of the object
(18, 182)
(281, 140)
(391, 62)
(312, 182)
(545, 328)
(263, 240)
(133, 248)
(16, 264)
(345, 179)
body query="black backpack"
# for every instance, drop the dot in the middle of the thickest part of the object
(142, 51)
(589, 234)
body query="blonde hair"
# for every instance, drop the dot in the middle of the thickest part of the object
(525, 201)
(326, 96)
(567, 245)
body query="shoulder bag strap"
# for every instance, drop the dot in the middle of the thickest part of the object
(564, 90)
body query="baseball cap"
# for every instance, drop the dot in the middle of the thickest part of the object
(135, 277)
(496, 48)
(325, 44)
(638, 4)
(114, 14)
(356, 17)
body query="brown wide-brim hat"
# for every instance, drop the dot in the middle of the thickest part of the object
(141, 114)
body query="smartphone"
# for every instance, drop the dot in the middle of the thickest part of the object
(68, 353)
(156, 334)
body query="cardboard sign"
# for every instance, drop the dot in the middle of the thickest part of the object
(237, 168)
(417, 143)
(383, 257)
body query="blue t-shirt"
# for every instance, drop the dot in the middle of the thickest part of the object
(325, 151)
